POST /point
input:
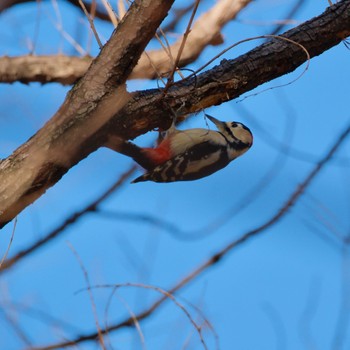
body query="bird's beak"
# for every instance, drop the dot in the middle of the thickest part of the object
(220, 125)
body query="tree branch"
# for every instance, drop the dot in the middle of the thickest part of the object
(70, 220)
(95, 116)
(61, 143)
(65, 70)
(48, 69)
(214, 259)
(205, 31)
(6, 4)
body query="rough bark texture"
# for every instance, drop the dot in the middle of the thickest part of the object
(46, 69)
(231, 78)
(53, 150)
(65, 70)
(92, 113)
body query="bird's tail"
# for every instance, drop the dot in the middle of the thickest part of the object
(139, 179)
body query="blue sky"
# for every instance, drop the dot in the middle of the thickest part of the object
(280, 290)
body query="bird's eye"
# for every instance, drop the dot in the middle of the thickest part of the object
(234, 125)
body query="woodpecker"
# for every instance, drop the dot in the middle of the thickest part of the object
(185, 155)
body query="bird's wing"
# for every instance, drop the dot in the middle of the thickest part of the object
(199, 161)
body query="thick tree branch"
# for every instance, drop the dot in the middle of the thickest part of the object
(46, 69)
(91, 119)
(151, 109)
(65, 70)
(47, 156)
(92, 207)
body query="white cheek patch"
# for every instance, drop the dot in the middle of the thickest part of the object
(243, 135)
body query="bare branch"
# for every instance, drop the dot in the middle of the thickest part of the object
(10, 243)
(91, 22)
(205, 31)
(166, 294)
(180, 50)
(93, 112)
(65, 70)
(46, 69)
(14, 324)
(73, 218)
(276, 218)
(6, 4)
(45, 158)
(91, 296)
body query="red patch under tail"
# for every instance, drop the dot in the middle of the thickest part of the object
(160, 154)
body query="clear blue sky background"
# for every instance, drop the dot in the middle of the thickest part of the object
(281, 290)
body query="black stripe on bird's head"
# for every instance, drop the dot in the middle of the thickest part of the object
(234, 132)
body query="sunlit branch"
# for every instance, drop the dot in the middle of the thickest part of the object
(205, 32)
(64, 140)
(147, 110)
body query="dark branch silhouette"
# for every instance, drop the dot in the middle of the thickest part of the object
(214, 259)
(152, 64)
(114, 112)
(73, 218)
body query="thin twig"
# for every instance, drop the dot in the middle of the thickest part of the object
(10, 243)
(91, 21)
(131, 313)
(202, 232)
(256, 38)
(284, 209)
(112, 15)
(182, 46)
(38, 315)
(13, 322)
(121, 9)
(69, 38)
(69, 221)
(92, 300)
(166, 294)
(308, 314)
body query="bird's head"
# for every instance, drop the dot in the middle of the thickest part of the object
(234, 132)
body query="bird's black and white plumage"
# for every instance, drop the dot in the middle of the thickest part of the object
(185, 155)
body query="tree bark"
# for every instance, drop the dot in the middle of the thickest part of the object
(53, 150)
(152, 64)
(93, 113)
